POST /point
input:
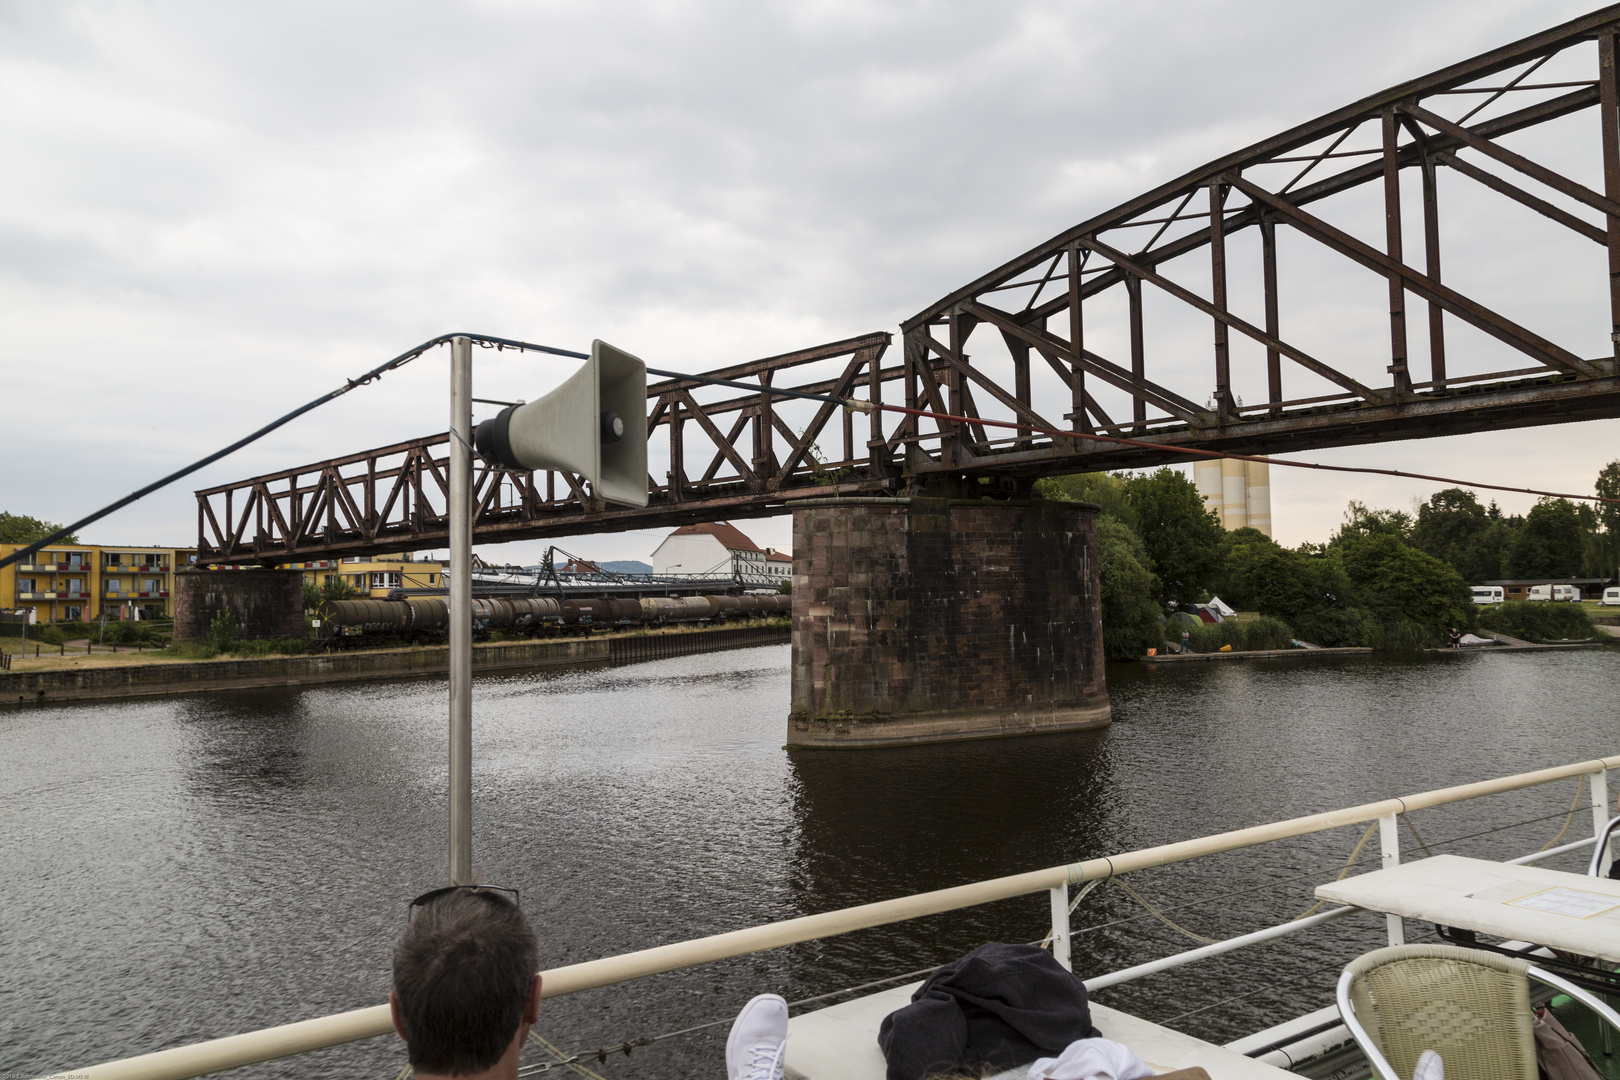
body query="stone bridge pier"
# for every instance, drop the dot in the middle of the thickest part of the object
(928, 620)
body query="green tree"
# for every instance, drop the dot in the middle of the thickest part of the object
(1608, 519)
(1453, 527)
(1398, 583)
(1132, 623)
(1106, 490)
(1549, 544)
(22, 529)
(1361, 521)
(1182, 536)
(1266, 577)
(338, 589)
(1608, 487)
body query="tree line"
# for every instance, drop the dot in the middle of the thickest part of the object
(1385, 578)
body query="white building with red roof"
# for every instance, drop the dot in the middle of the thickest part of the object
(714, 547)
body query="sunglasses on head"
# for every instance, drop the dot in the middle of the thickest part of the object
(509, 896)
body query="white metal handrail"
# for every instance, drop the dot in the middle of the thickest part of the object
(320, 1033)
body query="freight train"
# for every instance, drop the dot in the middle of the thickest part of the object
(539, 614)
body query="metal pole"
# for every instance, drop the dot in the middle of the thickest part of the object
(1389, 837)
(460, 512)
(1060, 926)
(1600, 808)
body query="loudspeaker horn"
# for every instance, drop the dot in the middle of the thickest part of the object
(594, 424)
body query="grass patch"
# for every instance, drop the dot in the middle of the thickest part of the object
(239, 650)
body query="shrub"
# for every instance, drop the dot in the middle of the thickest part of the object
(1404, 635)
(129, 632)
(1339, 627)
(1242, 635)
(1540, 621)
(1267, 633)
(222, 630)
(268, 647)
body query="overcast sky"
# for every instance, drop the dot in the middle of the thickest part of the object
(210, 213)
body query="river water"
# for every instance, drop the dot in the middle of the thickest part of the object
(182, 869)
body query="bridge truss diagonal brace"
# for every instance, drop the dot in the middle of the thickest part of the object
(721, 442)
(1088, 361)
(1454, 303)
(1023, 411)
(1555, 180)
(1523, 197)
(1299, 356)
(1519, 120)
(799, 446)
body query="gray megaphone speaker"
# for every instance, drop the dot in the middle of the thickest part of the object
(595, 424)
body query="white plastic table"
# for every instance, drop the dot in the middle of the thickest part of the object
(840, 1043)
(1565, 911)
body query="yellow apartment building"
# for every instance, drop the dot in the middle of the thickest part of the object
(373, 575)
(86, 581)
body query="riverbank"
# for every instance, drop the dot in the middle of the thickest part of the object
(104, 678)
(1253, 654)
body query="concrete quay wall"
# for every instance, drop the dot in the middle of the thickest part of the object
(64, 685)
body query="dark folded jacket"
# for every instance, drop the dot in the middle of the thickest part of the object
(1000, 1005)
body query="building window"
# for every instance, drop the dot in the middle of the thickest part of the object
(385, 579)
(74, 613)
(26, 585)
(113, 585)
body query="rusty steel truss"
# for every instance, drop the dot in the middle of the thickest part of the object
(393, 498)
(1046, 316)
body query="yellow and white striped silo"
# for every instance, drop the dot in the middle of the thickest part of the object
(1238, 491)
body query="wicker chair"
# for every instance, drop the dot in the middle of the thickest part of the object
(1470, 1007)
(1600, 850)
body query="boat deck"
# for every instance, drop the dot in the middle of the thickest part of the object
(840, 1043)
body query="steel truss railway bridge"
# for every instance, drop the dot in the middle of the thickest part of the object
(1152, 265)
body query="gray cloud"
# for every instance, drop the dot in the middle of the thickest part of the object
(211, 212)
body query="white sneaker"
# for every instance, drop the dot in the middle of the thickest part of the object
(1429, 1067)
(758, 1040)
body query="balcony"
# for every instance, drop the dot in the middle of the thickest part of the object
(53, 596)
(55, 568)
(135, 568)
(161, 594)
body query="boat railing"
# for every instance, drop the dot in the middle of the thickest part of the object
(288, 1040)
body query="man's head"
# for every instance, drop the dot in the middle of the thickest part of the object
(464, 981)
